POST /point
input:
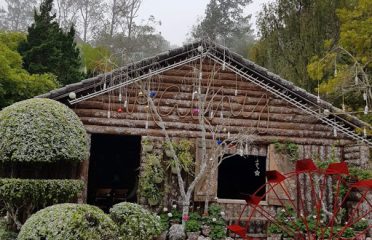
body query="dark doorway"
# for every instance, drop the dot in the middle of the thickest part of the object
(237, 176)
(113, 169)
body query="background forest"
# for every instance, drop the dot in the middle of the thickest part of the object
(322, 46)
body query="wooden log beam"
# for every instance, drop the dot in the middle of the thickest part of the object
(196, 134)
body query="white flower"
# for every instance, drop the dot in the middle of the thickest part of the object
(301, 215)
(214, 219)
(321, 221)
(222, 213)
(174, 206)
(346, 223)
(165, 209)
(314, 216)
(283, 210)
(363, 219)
(170, 215)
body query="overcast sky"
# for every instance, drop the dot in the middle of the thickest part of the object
(178, 16)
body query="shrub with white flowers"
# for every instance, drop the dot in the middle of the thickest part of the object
(135, 222)
(41, 130)
(69, 222)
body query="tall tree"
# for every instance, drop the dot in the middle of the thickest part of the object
(344, 72)
(91, 15)
(18, 14)
(16, 84)
(293, 31)
(48, 49)
(226, 23)
(67, 13)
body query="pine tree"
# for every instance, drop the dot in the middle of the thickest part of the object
(49, 49)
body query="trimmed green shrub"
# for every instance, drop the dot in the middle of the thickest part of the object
(69, 222)
(135, 222)
(41, 130)
(22, 197)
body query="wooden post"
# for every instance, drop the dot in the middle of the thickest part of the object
(83, 175)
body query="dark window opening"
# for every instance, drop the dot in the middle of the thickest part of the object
(238, 176)
(113, 169)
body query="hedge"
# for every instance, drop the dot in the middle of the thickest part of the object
(135, 222)
(41, 130)
(69, 222)
(22, 197)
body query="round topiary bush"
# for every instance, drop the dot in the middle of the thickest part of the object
(69, 222)
(135, 222)
(41, 130)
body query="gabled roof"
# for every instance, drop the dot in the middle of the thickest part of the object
(322, 110)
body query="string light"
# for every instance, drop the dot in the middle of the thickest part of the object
(257, 172)
(125, 103)
(120, 97)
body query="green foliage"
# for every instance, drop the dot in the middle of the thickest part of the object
(215, 221)
(292, 32)
(16, 84)
(288, 148)
(41, 130)
(49, 49)
(274, 229)
(344, 71)
(69, 222)
(361, 225)
(21, 197)
(135, 222)
(226, 22)
(95, 59)
(152, 176)
(193, 226)
(5, 233)
(349, 233)
(183, 149)
(360, 173)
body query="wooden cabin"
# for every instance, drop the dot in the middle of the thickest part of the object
(242, 97)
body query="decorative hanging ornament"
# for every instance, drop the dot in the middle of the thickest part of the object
(120, 97)
(120, 110)
(104, 85)
(366, 110)
(195, 111)
(72, 95)
(228, 134)
(211, 114)
(219, 141)
(257, 164)
(224, 129)
(365, 96)
(194, 94)
(140, 93)
(125, 103)
(152, 94)
(257, 173)
(326, 112)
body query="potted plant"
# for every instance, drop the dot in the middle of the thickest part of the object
(360, 229)
(275, 232)
(167, 149)
(147, 145)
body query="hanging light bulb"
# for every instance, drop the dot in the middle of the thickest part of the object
(211, 114)
(366, 110)
(334, 132)
(246, 149)
(224, 129)
(356, 79)
(147, 124)
(108, 114)
(343, 107)
(221, 115)
(236, 92)
(140, 93)
(125, 103)
(104, 85)
(223, 66)
(120, 97)
(228, 134)
(365, 96)
(200, 75)
(365, 132)
(194, 94)
(318, 99)
(241, 151)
